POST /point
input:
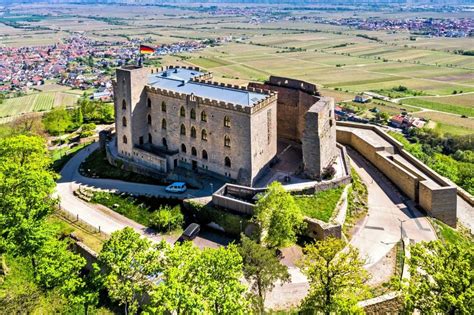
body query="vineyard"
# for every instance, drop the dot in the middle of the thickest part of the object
(37, 102)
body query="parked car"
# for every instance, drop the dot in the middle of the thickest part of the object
(177, 187)
(189, 233)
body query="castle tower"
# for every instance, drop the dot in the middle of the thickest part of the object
(128, 101)
(319, 138)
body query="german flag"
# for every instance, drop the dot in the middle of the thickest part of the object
(146, 50)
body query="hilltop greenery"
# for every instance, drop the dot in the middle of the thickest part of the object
(450, 156)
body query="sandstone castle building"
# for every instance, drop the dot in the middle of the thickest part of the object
(176, 117)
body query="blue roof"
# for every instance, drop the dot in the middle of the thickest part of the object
(178, 80)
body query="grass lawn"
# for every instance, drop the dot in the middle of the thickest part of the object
(439, 105)
(96, 165)
(61, 156)
(321, 205)
(138, 209)
(91, 239)
(449, 235)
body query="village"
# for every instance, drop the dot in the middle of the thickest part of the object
(78, 62)
(456, 27)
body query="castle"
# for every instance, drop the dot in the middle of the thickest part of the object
(178, 117)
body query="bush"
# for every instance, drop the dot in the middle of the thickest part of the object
(328, 172)
(57, 121)
(167, 219)
(89, 127)
(86, 134)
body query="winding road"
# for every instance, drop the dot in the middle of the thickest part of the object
(390, 216)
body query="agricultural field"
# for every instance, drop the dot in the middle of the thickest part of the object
(340, 60)
(35, 102)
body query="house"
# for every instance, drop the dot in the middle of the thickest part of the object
(362, 98)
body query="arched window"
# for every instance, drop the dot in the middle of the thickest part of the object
(164, 142)
(204, 154)
(124, 121)
(203, 116)
(227, 121)
(183, 130)
(227, 162)
(204, 135)
(149, 119)
(163, 106)
(163, 124)
(124, 105)
(183, 148)
(193, 113)
(193, 132)
(150, 138)
(182, 112)
(226, 141)
(193, 151)
(149, 103)
(124, 139)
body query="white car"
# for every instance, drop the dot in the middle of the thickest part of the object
(178, 187)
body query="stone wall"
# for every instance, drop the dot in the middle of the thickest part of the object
(319, 138)
(155, 119)
(240, 199)
(434, 193)
(390, 303)
(295, 98)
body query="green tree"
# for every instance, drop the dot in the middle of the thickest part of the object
(129, 262)
(195, 281)
(262, 269)
(57, 121)
(336, 277)
(58, 267)
(221, 274)
(167, 218)
(96, 111)
(26, 186)
(441, 278)
(278, 216)
(79, 117)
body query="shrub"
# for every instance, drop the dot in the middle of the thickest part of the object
(88, 127)
(329, 172)
(167, 218)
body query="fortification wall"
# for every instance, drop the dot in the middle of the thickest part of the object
(434, 193)
(295, 98)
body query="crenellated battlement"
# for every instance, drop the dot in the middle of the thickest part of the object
(271, 97)
(231, 86)
(164, 68)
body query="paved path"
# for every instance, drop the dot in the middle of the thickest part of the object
(374, 237)
(110, 221)
(390, 215)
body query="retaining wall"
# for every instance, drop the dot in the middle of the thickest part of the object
(434, 193)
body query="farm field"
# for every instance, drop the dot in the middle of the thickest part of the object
(342, 61)
(36, 102)
(440, 104)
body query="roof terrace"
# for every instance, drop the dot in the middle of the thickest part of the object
(180, 80)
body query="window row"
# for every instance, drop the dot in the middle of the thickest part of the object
(204, 154)
(182, 112)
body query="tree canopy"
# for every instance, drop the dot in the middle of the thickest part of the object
(26, 186)
(129, 262)
(441, 278)
(262, 269)
(200, 281)
(278, 216)
(336, 277)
